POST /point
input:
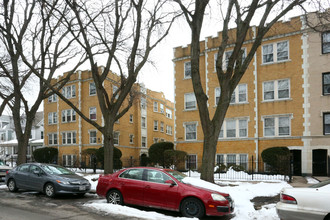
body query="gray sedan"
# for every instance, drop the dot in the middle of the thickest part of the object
(47, 178)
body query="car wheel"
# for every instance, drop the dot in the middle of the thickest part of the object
(12, 185)
(49, 190)
(192, 207)
(327, 217)
(115, 197)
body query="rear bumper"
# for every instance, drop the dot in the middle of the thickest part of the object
(291, 212)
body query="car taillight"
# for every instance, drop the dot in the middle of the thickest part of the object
(7, 171)
(288, 199)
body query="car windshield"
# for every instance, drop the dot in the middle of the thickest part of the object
(57, 170)
(320, 184)
(2, 163)
(176, 174)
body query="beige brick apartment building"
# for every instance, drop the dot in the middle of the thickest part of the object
(278, 102)
(149, 120)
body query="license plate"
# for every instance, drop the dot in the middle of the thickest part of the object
(81, 188)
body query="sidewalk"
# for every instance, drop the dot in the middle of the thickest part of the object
(300, 181)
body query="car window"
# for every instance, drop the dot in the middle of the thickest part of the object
(177, 175)
(23, 168)
(321, 184)
(57, 170)
(135, 174)
(1, 163)
(157, 176)
(34, 168)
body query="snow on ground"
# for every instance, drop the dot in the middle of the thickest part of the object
(241, 192)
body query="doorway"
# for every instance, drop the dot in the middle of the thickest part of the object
(320, 158)
(296, 161)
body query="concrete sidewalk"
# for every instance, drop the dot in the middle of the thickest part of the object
(300, 181)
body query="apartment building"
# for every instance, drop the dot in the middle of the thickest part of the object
(149, 120)
(272, 106)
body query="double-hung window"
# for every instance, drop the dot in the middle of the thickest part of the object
(276, 90)
(155, 125)
(155, 106)
(326, 42)
(52, 98)
(168, 130)
(239, 94)
(116, 137)
(277, 126)
(191, 131)
(69, 91)
(217, 92)
(161, 107)
(52, 138)
(92, 113)
(68, 137)
(326, 83)
(92, 89)
(275, 52)
(92, 137)
(168, 113)
(143, 122)
(161, 126)
(190, 101)
(68, 115)
(326, 123)
(187, 70)
(114, 91)
(52, 118)
(234, 128)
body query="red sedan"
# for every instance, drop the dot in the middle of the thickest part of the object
(164, 189)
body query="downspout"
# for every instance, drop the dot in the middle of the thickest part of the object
(256, 108)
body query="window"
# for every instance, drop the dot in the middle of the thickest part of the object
(276, 90)
(161, 126)
(155, 106)
(239, 94)
(92, 88)
(92, 137)
(144, 142)
(52, 139)
(143, 122)
(191, 131)
(52, 98)
(326, 83)
(68, 115)
(217, 92)
(135, 174)
(69, 91)
(275, 52)
(243, 161)
(114, 91)
(187, 70)
(131, 139)
(155, 125)
(226, 57)
(52, 118)
(69, 137)
(168, 129)
(189, 101)
(143, 103)
(326, 42)
(220, 159)
(277, 126)
(116, 138)
(326, 123)
(191, 162)
(92, 113)
(234, 128)
(41, 134)
(69, 160)
(130, 118)
(231, 160)
(169, 113)
(161, 106)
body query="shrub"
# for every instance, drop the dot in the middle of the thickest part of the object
(45, 155)
(277, 158)
(117, 164)
(156, 152)
(175, 157)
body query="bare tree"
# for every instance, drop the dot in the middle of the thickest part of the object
(124, 33)
(238, 15)
(33, 41)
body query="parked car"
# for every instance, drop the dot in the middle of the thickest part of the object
(47, 178)
(3, 170)
(164, 189)
(305, 203)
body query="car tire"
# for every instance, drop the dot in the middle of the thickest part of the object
(49, 190)
(192, 207)
(327, 217)
(115, 197)
(12, 185)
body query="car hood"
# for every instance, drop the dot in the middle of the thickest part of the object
(71, 177)
(204, 185)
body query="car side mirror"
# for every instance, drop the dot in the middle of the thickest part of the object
(170, 182)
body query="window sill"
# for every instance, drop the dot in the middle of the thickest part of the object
(190, 110)
(186, 78)
(277, 62)
(276, 100)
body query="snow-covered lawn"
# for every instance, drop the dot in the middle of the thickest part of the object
(241, 192)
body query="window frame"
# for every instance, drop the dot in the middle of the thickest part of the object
(324, 123)
(72, 89)
(68, 114)
(323, 84)
(185, 70)
(73, 137)
(54, 120)
(194, 162)
(276, 126)
(155, 125)
(185, 102)
(195, 124)
(143, 141)
(223, 134)
(155, 106)
(275, 52)
(51, 141)
(92, 91)
(276, 90)
(143, 122)
(322, 42)
(116, 138)
(92, 139)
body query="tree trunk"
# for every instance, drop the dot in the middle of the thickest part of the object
(208, 161)
(22, 143)
(108, 150)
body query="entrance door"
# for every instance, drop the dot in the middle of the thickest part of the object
(296, 160)
(320, 157)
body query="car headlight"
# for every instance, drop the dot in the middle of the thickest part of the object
(63, 182)
(218, 197)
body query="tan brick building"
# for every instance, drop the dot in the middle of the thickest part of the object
(149, 120)
(268, 106)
